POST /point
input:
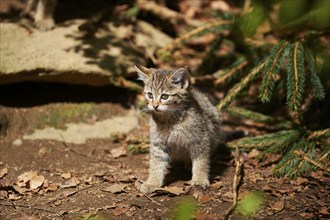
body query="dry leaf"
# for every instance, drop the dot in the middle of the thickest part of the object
(115, 188)
(3, 194)
(118, 152)
(42, 152)
(216, 185)
(51, 187)
(73, 182)
(324, 211)
(66, 175)
(36, 182)
(174, 190)
(277, 206)
(204, 198)
(301, 180)
(120, 209)
(3, 172)
(24, 178)
(229, 195)
(253, 153)
(14, 197)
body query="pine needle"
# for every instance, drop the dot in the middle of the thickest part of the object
(192, 33)
(315, 163)
(233, 93)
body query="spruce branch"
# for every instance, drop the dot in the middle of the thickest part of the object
(273, 142)
(190, 34)
(272, 68)
(315, 135)
(233, 93)
(295, 76)
(315, 163)
(223, 77)
(317, 87)
(259, 118)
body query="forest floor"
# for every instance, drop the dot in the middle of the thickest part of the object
(100, 177)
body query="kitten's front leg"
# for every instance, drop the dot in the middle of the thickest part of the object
(200, 171)
(44, 14)
(158, 164)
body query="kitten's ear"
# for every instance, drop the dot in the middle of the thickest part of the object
(181, 78)
(143, 73)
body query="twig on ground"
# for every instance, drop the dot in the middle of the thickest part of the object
(148, 197)
(67, 194)
(29, 207)
(315, 163)
(237, 179)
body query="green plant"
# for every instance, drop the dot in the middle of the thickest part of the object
(287, 68)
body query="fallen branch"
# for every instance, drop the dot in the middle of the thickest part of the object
(315, 163)
(237, 179)
(28, 207)
(148, 197)
(192, 33)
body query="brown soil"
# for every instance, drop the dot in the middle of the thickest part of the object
(104, 186)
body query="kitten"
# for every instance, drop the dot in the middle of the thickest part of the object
(42, 13)
(184, 125)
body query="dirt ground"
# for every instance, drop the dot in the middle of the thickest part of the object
(101, 178)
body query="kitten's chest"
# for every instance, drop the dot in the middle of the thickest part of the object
(173, 136)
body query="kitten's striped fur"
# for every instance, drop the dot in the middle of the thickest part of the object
(184, 125)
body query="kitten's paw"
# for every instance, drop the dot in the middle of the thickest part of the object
(203, 183)
(45, 25)
(148, 188)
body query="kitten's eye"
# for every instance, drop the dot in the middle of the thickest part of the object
(150, 96)
(164, 96)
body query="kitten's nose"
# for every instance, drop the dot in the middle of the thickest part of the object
(155, 106)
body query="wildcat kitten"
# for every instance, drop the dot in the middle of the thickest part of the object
(184, 125)
(42, 13)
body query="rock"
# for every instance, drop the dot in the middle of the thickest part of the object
(66, 54)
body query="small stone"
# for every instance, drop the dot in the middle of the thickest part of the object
(17, 142)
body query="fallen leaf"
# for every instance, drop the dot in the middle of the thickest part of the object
(229, 195)
(42, 152)
(253, 153)
(24, 178)
(115, 188)
(3, 194)
(324, 211)
(14, 197)
(51, 187)
(301, 180)
(58, 202)
(120, 209)
(118, 152)
(204, 199)
(66, 175)
(20, 190)
(216, 185)
(36, 182)
(73, 182)
(3, 172)
(278, 206)
(174, 190)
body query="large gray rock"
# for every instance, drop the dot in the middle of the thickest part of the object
(65, 54)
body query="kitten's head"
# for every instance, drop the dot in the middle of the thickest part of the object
(165, 90)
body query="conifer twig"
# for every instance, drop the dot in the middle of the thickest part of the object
(315, 163)
(230, 73)
(237, 179)
(195, 31)
(241, 85)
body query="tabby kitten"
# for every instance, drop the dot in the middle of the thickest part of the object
(184, 125)
(42, 13)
